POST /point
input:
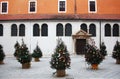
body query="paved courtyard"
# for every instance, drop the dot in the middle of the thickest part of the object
(41, 70)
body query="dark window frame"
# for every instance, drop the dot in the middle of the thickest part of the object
(92, 6)
(115, 30)
(59, 29)
(68, 29)
(1, 30)
(62, 6)
(83, 26)
(107, 30)
(14, 30)
(92, 29)
(21, 30)
(32, 6)
(44, 30)
(4, 8)
(36, 30)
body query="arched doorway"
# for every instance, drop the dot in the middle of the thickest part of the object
(80, 46)
(80, 40)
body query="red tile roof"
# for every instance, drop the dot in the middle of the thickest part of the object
(60, 17)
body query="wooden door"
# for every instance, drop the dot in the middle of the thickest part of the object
(80, 46)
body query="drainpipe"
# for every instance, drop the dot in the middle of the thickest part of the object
(74, 40)
(100, 33)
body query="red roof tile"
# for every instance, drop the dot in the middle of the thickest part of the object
(60, 17)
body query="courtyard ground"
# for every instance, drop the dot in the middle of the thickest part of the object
(41, 70)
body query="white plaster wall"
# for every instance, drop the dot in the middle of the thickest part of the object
(48, 44)
(8, 41)
(109, 41)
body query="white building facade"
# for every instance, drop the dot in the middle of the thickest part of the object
(46, 32)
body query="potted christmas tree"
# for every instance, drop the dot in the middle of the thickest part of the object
(24, 57)
(116, 52)
(37, 53)
(60, 59)
(103, 49)
(17, 47)
(2, 55)
(93, 57)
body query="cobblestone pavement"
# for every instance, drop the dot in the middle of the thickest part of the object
(41, 70)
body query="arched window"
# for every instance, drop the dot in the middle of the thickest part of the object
(44, 30)
(36, 30)
(84, 27)
(1, 30)
(92, 29)
(68, 29)
(107, 30)
(115, 30)
(22, 30)
(59, 30)
(14, 30)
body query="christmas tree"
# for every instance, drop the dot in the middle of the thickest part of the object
(17, 47)
(37, 53)
(93, 56)
(2, 55)
(60, 59)
(24, 57)
(116, 52)
(103, 49)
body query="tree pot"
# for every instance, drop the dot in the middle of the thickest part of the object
(36, 59)
(26, 65)
(61, 73)
(94, 66)
(117, 61)
(1, 62)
